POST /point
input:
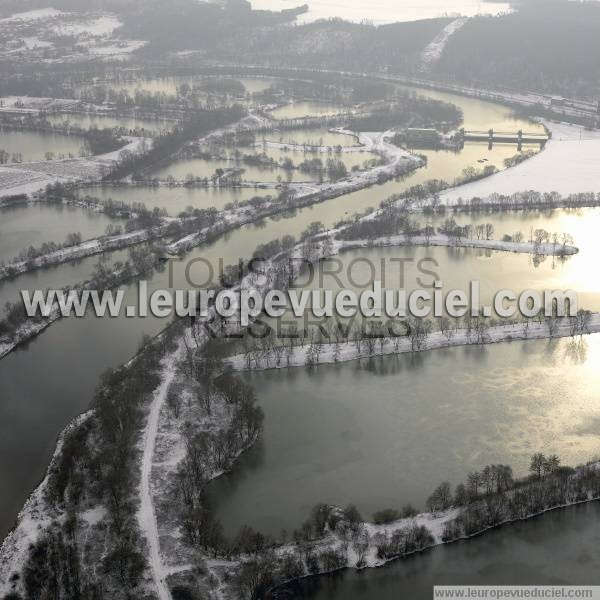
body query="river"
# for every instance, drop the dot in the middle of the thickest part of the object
(42, 388)
(329, 438)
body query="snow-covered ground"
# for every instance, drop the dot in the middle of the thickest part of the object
(33, 519)
(345, 352)
(27, 332)
(440, 239)
(30, 35)
(29, 178)
(434, 50)
(115, 49)
(86, 248)
(90, 26)
(146, 514)
(568, 164)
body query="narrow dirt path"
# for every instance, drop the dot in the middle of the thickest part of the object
(146, 514)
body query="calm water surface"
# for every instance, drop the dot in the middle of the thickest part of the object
(57, 277)
(312, 137)
(107, 121)
(27, 225)
(33, 145)
(418, 267)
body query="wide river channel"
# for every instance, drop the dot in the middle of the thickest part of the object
(338, 434)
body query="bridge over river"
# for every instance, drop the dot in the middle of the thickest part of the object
(503, 137)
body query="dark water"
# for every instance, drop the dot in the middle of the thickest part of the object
(558, 548)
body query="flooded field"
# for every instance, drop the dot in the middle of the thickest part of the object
(33, 145)
(88, 121)
(296, 110)
(27, 225)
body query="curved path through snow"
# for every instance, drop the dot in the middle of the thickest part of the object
(146, 514)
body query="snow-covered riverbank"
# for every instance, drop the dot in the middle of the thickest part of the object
(33, 519)
(333, 353)
(450, 242)
(83, 250)
(400, 162)
(434, 50)
(367, 545)
(568, 165)
(26, 332)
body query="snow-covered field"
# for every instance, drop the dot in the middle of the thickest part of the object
(33, 15)
(569, 164)
(34, 104)
(434, 50)
(30, 36)
(90, 26)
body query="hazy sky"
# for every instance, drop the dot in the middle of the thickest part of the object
(384, 11)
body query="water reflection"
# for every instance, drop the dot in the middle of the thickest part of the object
(382, 433)
(33, 145)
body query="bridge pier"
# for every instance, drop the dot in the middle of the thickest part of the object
(498, 137)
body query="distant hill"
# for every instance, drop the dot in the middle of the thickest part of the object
(546, 45)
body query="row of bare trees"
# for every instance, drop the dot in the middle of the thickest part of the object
(492, 496)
